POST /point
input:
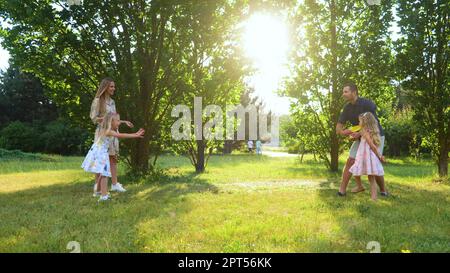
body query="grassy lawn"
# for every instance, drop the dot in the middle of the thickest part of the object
(241, 204)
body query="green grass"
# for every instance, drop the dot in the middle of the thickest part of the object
(241, 204)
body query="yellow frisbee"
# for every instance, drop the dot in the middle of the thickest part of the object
(355, 128)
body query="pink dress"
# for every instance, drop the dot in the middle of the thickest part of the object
(366, 161)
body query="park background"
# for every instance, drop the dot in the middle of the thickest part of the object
(290, 58)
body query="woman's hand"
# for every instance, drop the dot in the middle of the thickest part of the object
(382, 159)
(140, 133)
(128, 123)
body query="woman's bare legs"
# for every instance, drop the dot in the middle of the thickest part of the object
(373, 187)
(113, 165)
(359, 187)
(104, 185)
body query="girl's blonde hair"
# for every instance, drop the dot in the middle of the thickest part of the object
(106, 124)
(101, 95)
(370, 123)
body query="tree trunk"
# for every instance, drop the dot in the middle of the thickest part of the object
(227, 146)
(334, 110)
(200, 166)
(443, 157)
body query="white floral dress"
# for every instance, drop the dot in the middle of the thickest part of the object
(110, 107)
(97, 159)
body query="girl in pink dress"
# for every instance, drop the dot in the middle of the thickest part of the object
(368, 158)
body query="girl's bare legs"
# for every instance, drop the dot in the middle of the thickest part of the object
(113, 166)
(359, 187)
(373, 187)
(97, 183)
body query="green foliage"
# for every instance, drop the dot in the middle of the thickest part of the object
(23, 98)
(403, 136)
(423, 64)
(57, 137)
(60, 137)
(20, 136)
(217, 69)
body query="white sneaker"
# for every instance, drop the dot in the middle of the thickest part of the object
(118, 187)
(104, 198)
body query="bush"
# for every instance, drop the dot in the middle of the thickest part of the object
(57, 137)
(20, 136)
(61, 138)
(403, 137)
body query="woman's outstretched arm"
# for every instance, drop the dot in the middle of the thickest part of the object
(138, 134)
(128, 123)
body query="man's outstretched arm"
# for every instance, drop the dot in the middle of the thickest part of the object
(340, 130)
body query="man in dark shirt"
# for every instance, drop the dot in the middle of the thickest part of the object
(356, 106)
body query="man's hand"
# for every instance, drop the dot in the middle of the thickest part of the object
(355, 135)
(346, 132)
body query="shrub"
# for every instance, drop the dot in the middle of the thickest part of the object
(20, 136)
(56, 137)
(60, 137)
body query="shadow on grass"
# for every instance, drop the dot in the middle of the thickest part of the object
(410, 219)
(46, 219)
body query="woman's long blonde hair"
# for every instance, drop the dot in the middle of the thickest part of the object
(370, 124)
(101, 95)
(106, 124)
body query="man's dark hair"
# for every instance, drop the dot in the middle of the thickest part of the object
(352, 87)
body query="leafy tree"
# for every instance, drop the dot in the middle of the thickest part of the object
(336, 41)
(23, 98)
(423, 63)
(216, 70)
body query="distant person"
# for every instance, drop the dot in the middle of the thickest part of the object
(258, 147)
(250, 146)
(354, 107)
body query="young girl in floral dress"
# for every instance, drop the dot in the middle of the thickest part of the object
(97, 159)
